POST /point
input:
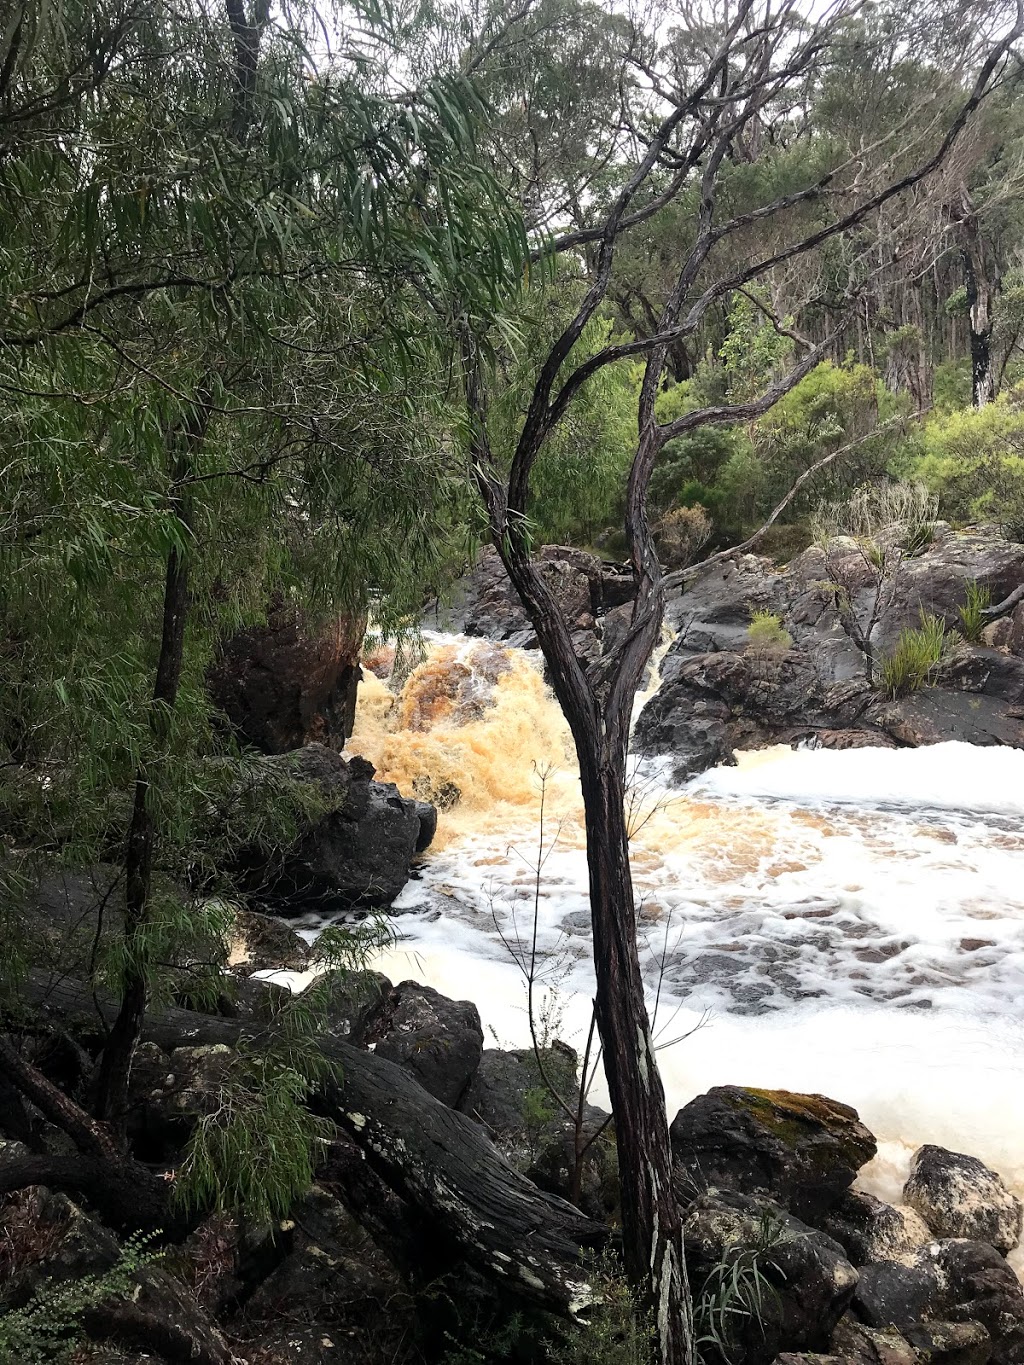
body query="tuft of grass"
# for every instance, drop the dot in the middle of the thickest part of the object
(766, 632)
(972, 613)
(917, 658)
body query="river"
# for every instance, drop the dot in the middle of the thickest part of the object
(850, 923)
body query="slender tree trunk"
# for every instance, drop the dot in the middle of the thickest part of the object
(651, 1221)
(982, 285)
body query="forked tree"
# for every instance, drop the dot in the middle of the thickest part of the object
(727, 84)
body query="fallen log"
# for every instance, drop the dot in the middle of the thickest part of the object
(439, 1161)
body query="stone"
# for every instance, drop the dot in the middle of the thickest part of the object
(439, 1040)
(870, 1230)
(895, 1293)
(287, 683)
(811, 1282)
(357, 854)
(802, 1150)
(168, 1094)
(958, 1196)
(351, 1003)
(263, 943)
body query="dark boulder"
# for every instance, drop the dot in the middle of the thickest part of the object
(349, 1004)
(286, 683)
(263, 943)
(802, 1150)
(355, 852)
(958, 1196)
(806, 1281)
(439, 1040)
(932, 1343)
(511, 1096)
(953, 1280)
(869, 1230)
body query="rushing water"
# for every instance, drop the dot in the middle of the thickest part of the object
(844, 922)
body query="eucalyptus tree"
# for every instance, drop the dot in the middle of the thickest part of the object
(707, 100)
(223, 372)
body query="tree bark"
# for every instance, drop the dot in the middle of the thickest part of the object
(982, 285)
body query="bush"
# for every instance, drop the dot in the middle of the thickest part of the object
(972, 613)
(917, 658)
(681, 534)
(974, 461)
(767, 633)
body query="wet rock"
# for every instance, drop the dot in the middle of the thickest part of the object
(958, 1196)
(511, 1098)
(356, 854)
(285, 683)
(870, 1230)
(439, 1040)
(802, 1150)
(935, 715)
(350, 1004)
(263, 943)
(811, 1282)
(953, 1280)
(585, 587)
(855, 1342)
(895, 1293)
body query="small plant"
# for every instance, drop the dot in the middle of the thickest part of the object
(972, 614)
(917, 658)
(617, 1331)
(681, 534)
(48, 1329)
(737, 1290)
(766, 632)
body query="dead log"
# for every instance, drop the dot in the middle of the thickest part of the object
(439, 1161)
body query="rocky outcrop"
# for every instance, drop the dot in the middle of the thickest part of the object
(870, 1230)
(958, 1196)
(590, 592)
(803, 1151)
(355, 848)
(721, 691)
(287, 683)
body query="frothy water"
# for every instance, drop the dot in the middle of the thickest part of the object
(844, 922)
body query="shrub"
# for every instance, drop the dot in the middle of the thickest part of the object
(48, 1329)
(766, 632)
(974, 461)
(680, 534)
(917, 657)
(972, 613)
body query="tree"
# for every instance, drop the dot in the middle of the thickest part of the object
(717, 85)
(221, 379)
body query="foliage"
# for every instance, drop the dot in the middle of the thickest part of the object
(766, 632)
(972, 612)
(974, 461)
(737, 1289)
(48, 1329)
(681, 534)
(917, 657)
(617, 1331)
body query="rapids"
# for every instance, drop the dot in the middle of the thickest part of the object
(844, 922)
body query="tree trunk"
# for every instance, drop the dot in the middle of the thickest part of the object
(982, 284)
(651, 1220)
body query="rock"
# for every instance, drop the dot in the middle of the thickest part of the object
(169, 1093)
(802, 1150)
(952, 1280)
(586, 588)
(439, 1040)
(351, 1003)
(46, 1236)
(933, 1343)
(895, 1293)
(356, 854)
(950, 1343)
(161, 1318)
(811, 1280)
(869, 1230)
(934, 715)
(285, 684)
(958, 1196)
(263, 943)
(510, 1097)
